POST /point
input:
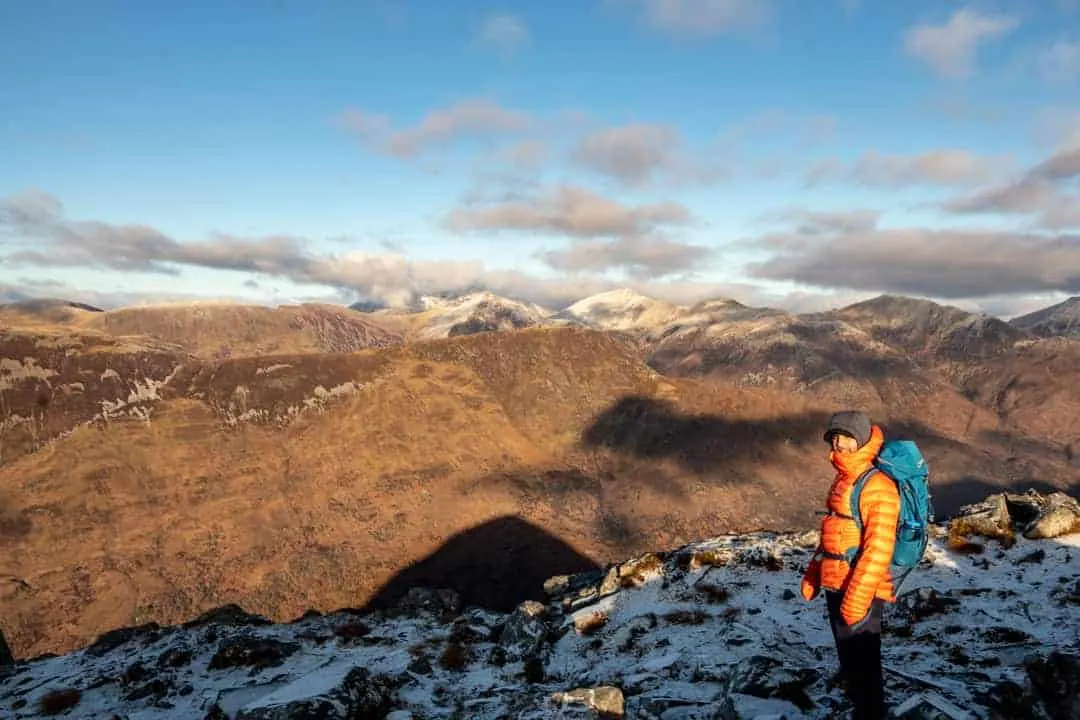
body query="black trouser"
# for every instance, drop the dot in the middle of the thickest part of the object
(859, 649)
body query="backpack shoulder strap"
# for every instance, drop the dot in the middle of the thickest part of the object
(856, 494)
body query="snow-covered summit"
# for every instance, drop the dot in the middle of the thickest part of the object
(714, 629)
(623, 309)
(475, 312)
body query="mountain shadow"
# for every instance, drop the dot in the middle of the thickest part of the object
(655, 429)
(495, 565)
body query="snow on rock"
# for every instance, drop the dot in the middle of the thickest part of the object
(710, 630)
(623, 310)
(1061, 320)
(476, 312)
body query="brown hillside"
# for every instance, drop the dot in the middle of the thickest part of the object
(220, 330)
(928, 332)
(32, 314)
(52, 383)
(226, 330)
(296, 481)
(1036, 390)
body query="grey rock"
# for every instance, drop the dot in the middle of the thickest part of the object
(924, 602)
(557, 585)
(260, 653)
(438, 601)
(107, 642)
(989, 518)
(678, 700)
(524, 632)
(359, 695)
(611, 582)
(929, 706)
(1059, 514)
(1055, 682)
(766, 677)
(749, 707)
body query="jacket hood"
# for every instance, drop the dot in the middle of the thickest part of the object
(857, 462)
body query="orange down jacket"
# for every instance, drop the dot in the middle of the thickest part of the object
(879, 507)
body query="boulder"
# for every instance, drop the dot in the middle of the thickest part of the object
(989, 519)
(441, 601)
(1055, 683)
(113, 639)
(929, 706)
(524, 631)
(356, 695)
(1059, 515)
(258, 653)
(606, 700)
(924, 602)
(676, 700)
(1052, 691)
(749, 707)
(1037, 516)
(767, 677)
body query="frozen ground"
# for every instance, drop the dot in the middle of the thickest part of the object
(712, 630)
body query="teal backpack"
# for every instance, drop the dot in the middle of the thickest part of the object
(904, 464)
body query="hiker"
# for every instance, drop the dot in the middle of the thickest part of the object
(853, 566)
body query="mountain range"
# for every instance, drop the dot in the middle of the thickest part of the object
(156, 462)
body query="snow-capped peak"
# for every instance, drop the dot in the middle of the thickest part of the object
(623, 309)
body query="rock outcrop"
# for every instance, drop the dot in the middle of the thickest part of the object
(1002, 516)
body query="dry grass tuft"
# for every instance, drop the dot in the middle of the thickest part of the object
(714, 593)
(456, 656)
(58, 701)
(687, 617)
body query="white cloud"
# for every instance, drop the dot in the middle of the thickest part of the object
(951, 49)
(505, 33)
(945, 167)
(43, 238)
(1060, 62)
(930, 263)
(705, 18)
(1042, 191)
(569, 210)
(476, 118)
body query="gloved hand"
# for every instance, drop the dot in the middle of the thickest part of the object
(849, 620)
(811, 581)
(850, 613)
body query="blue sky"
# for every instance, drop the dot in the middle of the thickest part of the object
(784, 152)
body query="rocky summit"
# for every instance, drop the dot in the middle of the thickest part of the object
(986, 628)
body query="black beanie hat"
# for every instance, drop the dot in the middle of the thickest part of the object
(850, 422)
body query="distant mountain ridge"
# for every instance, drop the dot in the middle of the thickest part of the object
(1061, 320)
(916, 325)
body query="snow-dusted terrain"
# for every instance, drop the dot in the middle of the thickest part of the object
(439, 317)
(1062, 320)
(623, 310)
(711, 630)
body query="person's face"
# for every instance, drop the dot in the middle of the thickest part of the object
(842, 443)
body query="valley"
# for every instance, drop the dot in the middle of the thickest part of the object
(333, 457)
